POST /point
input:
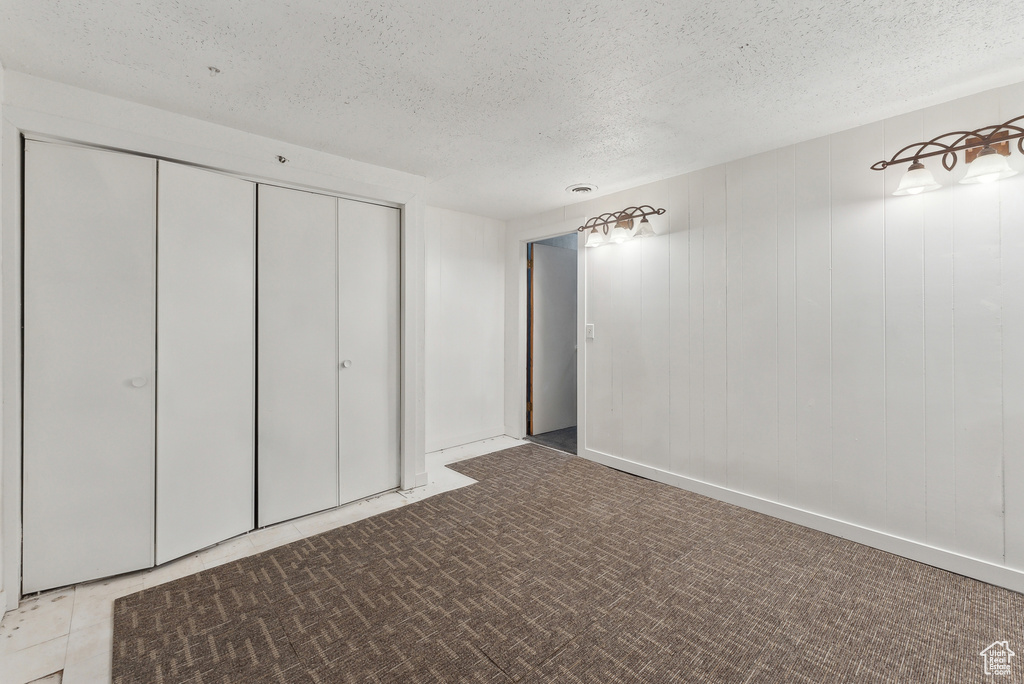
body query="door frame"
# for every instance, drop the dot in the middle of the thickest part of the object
(530, 293)
(516, 334)
(47, 111)
(531, 254)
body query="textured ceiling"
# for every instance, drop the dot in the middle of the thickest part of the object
(501, 104)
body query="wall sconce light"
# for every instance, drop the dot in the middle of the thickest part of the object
(916, 180)
(618, 226)
(983, 166)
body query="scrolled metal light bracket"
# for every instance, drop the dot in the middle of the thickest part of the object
(629, 215)
(962, 140)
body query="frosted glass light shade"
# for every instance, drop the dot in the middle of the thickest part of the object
(596, 238)
(645, 229)
(622, 231)
(916, 180)
(987, 167)
(619, 235)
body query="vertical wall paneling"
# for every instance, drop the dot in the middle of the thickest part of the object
(977, 353)
(757, 336)
(434, 334)
(812, 485)
(656, 344)
(734, 323)
(90, 366)
(368, 349)
(858, 335)
(465, 328)
(849, 354)
(459, 247)
(628, 330)
(1012, 220)
(904, 342)
(695, 242)
(716, 418)
(297, 361)
(205, 356)
(492, 287)
(603, 401)
(785, 174)
(1012, 206)
(678, 237)
(940, 459)
(466, 245)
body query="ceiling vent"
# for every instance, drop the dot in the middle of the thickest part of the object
(581, 188)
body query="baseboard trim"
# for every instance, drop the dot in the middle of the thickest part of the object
(985, 571)
(433, 445)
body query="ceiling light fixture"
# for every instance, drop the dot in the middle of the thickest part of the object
(985, 152)
(618, 226)
(581, 188)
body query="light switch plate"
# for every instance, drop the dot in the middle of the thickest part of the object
(590, 331)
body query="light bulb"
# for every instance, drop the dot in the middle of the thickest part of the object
(987, 167)
(916, 180)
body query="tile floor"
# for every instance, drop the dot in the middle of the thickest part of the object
(70, 630)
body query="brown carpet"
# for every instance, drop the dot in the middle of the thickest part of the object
(555, 569)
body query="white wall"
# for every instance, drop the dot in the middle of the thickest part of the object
(3, 586)
(39, 107)
(465, 300)
(798, 341)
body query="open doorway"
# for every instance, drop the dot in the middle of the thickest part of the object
(551, 342)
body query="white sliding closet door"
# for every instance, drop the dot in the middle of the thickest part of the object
(368, 345)
(297, 342)
(89, 364)
(205, 354)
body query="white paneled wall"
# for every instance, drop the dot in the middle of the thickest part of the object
(798, 336)
(464, 328)
(3, 522)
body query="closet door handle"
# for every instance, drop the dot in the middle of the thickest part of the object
(138, 382)
(346, 364)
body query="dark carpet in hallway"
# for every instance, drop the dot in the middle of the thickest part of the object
(555, 569)
(563, 440)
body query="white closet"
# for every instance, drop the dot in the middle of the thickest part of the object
(368, 339)
(205, 404)
(298, 353)
(142, 284)
(90, 362)
(328, 343)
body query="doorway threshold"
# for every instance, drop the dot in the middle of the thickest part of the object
(560, 440)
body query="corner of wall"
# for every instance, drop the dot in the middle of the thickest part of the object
(414, 463)
(3, 603)
(465, 327)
